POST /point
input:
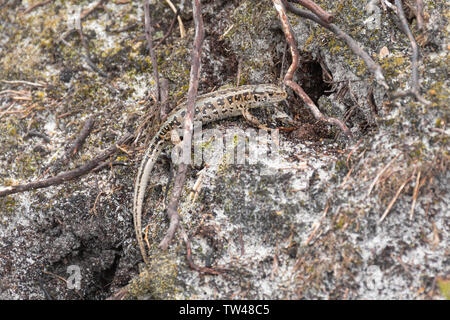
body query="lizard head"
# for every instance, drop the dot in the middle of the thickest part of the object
(268, 93)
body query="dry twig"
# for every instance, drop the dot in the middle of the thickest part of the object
(88, 11)
(180, 22)
(374, 182)
(317, 224)
(414, 91)
(169, 31)
(317, 10)
(65, 176)
(415, 194)
(22, 82)
(87, 56)
(78, 143)
(37, 5)
(419, 14)
(288, 78)
(394, 199)
(188, 126)
(163, 113)
(352, 44)
(148, 36)
(192, 265)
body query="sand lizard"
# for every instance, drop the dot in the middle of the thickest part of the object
(208, 107)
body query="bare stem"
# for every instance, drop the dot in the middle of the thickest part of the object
(288, 78)
(316, 9)
(188, 126)
(352, 44)
(148, 36)
(65, 176)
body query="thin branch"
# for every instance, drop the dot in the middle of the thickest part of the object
(373, 67)
(415, 194)
(21, 82)
(188, 126)
(419, 14)
(66, 176)
(415, 85)
(78, 143)
(148, 36)
(317, 224)
(293, 67)
(316, 9)
(34, 133)
(37, 5)
(163, 113)
(87, 56)
(88, 11)
(375, 181)
(192, 265)
(180, 22)
(169, 31)
(389, 207)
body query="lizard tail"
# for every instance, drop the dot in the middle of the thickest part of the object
(150, 157)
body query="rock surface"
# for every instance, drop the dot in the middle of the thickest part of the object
(303, 223)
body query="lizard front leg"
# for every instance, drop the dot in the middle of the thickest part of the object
(253, 120)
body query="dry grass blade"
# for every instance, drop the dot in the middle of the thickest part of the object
(416, 192)
(180, 22)
(374, 182)
(389, 207)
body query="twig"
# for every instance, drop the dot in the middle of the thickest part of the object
(414, 91)
(317, 10)
(88, 11)
(82, 15)
(65, 176)
(34, 133)
(169, 31)
(164, 98)
(373, 67)
(119, 295)
(403, 264)
(180, 22)
(37, 5)
(374, 182)
(317, 225)
(190, 261)
(55, 275)
(293, 67)
(47, 295)
(87, 128)
(148, 36)
(416, 192)
(419, 14)
(393, 200)
(21, 82)
(188, 125)
(108, 163)
(239, 71)
(87, 56)
(124, 29)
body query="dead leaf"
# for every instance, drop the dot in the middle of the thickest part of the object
(384, 52)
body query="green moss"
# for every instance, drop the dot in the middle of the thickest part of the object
(8, 205)
(394, 66)
(444, 287)
(157, 280)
